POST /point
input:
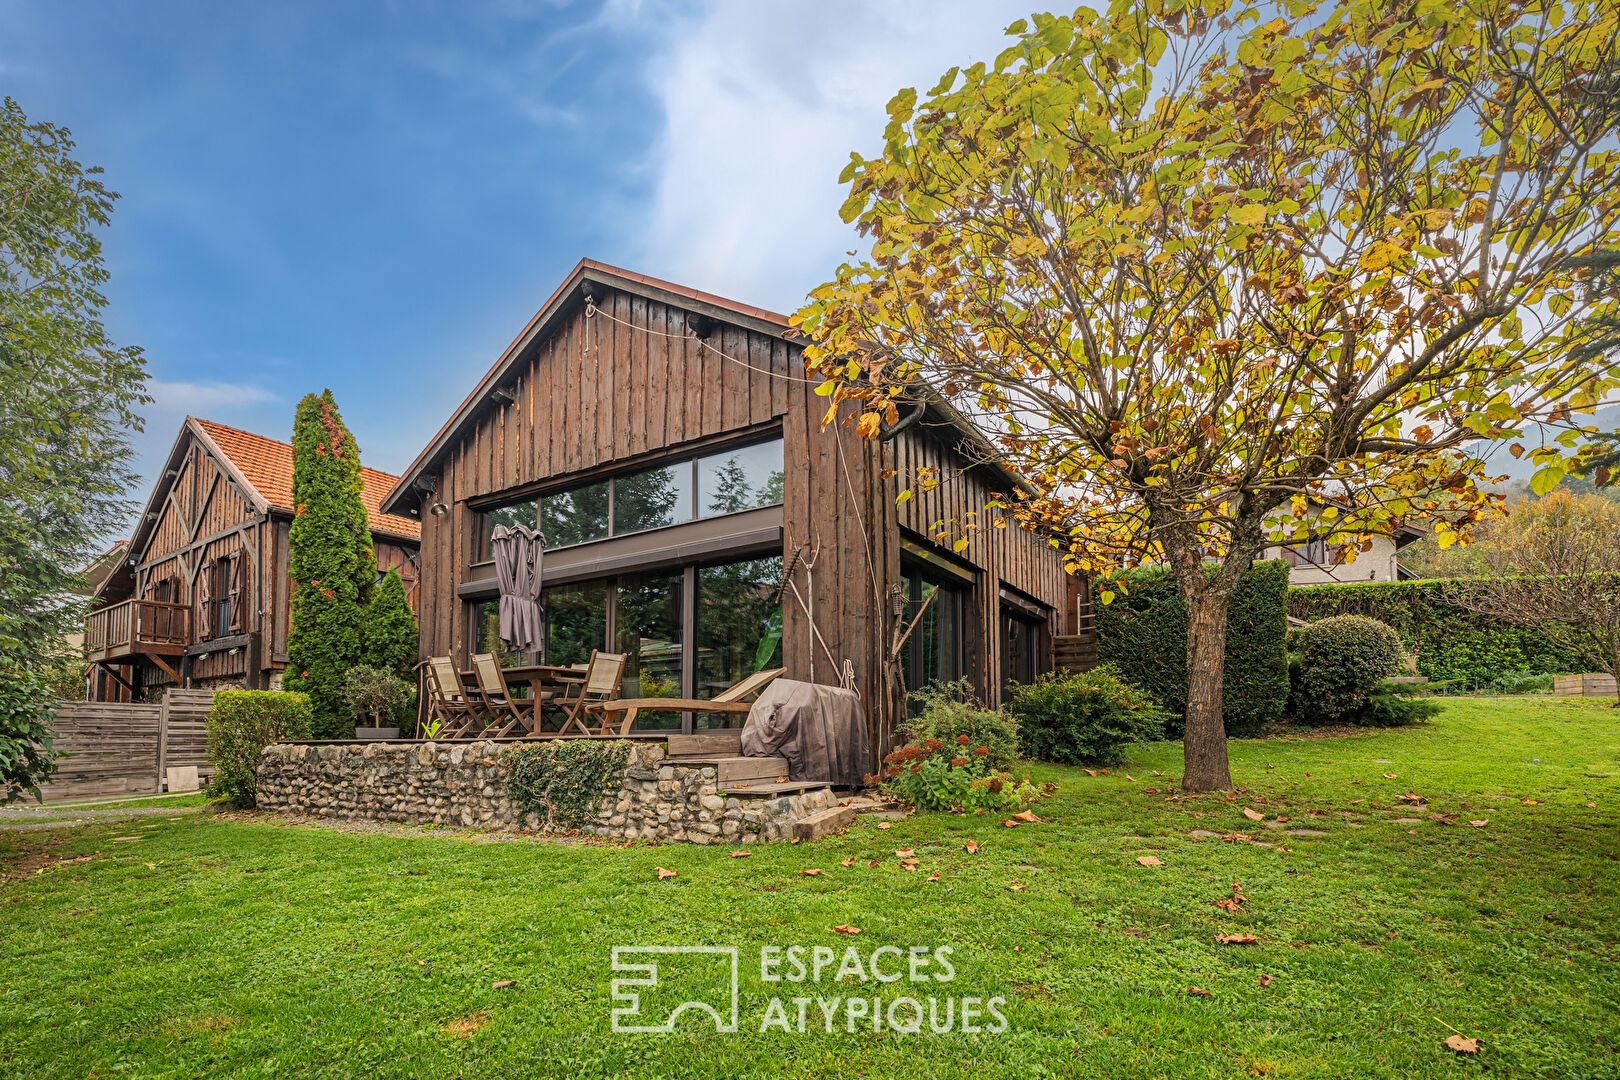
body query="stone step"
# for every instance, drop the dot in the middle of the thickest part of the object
(760, 789)
(824, 823)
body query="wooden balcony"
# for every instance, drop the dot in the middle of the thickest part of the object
(136, 629)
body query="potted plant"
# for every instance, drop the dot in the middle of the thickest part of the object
(375, 697)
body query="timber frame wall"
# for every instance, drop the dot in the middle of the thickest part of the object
(204, 511)
(579, 394)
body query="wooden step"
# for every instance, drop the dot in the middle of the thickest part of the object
(731, 767)
(759, 789)
(725, 742)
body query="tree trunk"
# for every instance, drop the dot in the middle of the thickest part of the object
(1204, 744)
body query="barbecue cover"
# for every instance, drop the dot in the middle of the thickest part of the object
(820, 730)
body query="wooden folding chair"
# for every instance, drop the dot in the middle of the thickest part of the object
(504, 712)
(728, 702)
(459, 713)
(600, 683)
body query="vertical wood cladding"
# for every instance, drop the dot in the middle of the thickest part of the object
(592, 393)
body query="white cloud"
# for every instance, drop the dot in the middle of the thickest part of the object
(205, 399)
(764, 103)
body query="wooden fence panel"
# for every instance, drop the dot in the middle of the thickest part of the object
(119, 748)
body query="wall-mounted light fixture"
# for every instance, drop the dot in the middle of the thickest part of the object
(503, 393)
(438, 509)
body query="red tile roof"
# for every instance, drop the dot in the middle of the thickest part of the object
(267, 464)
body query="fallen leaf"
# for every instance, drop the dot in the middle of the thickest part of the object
(934, 876)
(905, 853)
(1150, 860)
(1237, 838)
(1591, 806)
(808, 873)
(1150, 791)
(909, 865)
(874, 862)
(1198, 813)
(1134, 933)
(1480, 824)
(1027, 815)
(1265, 981)
(971, 847)
(1156, 772)
(662, 873)
(503, 984)
(1253, 815)
(1389, 776)
(1009, 823)
(1462, 1045)
(1227, 905)
(1307, 776)
(1393, 934)
(1281, 818)
(1091, 772)
(883, 825)
(741, 854)
(1236, 939)
(845, 929)
(848, 862)
(1016, 887)
(1528, 802)
(1129, 777)
(1444, 819)
(1198, 991)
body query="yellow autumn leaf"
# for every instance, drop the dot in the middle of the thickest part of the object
(1380, 255)
(869, 425)
(1249, 214)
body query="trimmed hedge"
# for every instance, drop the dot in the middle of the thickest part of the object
(1450, 643)
(1084, 718)
(1143, 633)
(1342, 662)
(240, 725)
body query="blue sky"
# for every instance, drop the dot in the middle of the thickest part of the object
(375, 197)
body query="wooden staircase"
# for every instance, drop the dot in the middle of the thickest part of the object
(744, 777)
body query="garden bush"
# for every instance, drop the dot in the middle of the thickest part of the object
(240, 725)
(390, 636)
(1085, 718)
(1463, 649)
(950, 711)
(1144, 634)
(1339, 664)
(1386, 708)
(955, 775)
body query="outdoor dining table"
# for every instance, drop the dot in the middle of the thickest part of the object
(537, 677)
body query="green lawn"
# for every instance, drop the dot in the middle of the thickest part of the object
(227, 948)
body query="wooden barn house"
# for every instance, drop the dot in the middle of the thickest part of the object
(700, 519)
(200, 596)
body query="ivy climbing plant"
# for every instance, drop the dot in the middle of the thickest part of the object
(562, 782)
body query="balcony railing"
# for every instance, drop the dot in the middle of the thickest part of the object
(137, 626)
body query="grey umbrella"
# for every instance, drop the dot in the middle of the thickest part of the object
(518, 579)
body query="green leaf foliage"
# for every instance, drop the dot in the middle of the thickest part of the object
(1341, 663)
(391, 634)
(563, 781)
(68, 397)
(1143, 634)
(240, 725)
(949, 712)
(1450, 643)
(331, 561)
(1084, 718)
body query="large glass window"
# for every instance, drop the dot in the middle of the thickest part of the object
(573, 517)
(1022, 652)
(486, 633)
(576, 621)
(934, 650)
(646, 500)
(517, 514)
(740, 479)
(739, 624)
(648, 615)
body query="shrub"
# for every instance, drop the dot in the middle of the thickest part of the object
(390, 632)
(27, 758)
(1341, 661)
(1385, 708)
(240, 725)
(330, 559)
(1450, 643)
(950, 711)
(956, 775)
(1143, 633)
(563, 781)
(1084, 719)
(375, 697)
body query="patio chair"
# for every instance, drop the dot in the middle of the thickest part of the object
(457, 711)
(727, 702)
(598, 684)
(505, 714)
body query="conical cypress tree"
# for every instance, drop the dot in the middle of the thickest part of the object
(390, 637)
(332, 564)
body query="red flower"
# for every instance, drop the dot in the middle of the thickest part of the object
(962, 740)
(959, 761)
(932, 746)
(995, 785)
(982, 751)
(916, 768)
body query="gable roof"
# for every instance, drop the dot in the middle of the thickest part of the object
(265, 465)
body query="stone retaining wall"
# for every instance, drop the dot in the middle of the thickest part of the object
(465, 784)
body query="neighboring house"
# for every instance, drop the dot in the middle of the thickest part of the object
(199, 596)
(1317, 561)
(670, 448)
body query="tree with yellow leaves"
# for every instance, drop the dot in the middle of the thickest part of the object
(1199, 269)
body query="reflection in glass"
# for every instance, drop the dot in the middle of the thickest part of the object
(934, 652)
(573, 517)
(740, 479)
(486, 627)
(646, 500)
(647, 621)
(576, 621)
(739, 625)
(517, 514)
